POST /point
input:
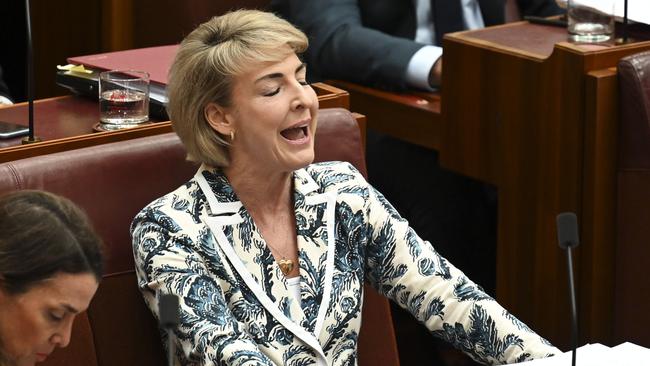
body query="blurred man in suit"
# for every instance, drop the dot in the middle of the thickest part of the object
(4, 91)
(391, 44)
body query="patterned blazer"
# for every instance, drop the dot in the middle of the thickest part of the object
(200, 243)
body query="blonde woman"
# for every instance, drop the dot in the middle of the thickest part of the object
(268, 252)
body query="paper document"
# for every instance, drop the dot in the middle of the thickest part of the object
(596, 354)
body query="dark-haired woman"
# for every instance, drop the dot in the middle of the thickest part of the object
(50, 267)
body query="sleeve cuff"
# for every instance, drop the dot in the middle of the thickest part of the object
(417, 71)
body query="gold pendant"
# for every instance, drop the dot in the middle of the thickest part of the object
(286, 266)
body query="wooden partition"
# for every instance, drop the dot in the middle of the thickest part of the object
(66, 123)
(76, 27)
(536, 116)
(146, 23)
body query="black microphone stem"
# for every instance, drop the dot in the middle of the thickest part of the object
(30, 76)
(574, 312)
(30, 71)
(568, 238)
(170, 347)
(168, 316)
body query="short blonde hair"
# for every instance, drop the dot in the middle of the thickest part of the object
(204, 68)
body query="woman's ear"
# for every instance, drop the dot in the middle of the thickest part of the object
(218, 119)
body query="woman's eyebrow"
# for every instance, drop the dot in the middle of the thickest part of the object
(70, 309)
(301, 67)
(278, 75)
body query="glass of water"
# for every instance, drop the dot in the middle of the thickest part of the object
(123, 99)
(591, 21)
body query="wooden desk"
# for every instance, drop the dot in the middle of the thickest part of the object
(412, 117)
(65, 123)
(536, 116)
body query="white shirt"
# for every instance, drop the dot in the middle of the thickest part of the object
(293, 284)
(5, 100)
(417, 72)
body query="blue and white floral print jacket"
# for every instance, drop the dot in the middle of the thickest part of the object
(201, 244)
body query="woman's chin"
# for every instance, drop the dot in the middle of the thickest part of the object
(302, 160)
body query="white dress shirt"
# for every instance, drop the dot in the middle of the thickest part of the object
(417, 72)
(5, 100)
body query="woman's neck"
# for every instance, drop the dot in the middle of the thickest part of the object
(262, 194)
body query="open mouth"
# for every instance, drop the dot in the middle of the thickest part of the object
(295, 133)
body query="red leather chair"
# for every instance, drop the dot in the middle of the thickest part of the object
(633, 211)
(112, 183)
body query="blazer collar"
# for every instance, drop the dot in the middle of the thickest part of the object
(241, 241)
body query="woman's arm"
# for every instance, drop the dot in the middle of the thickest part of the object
(167, 262)
(409, 271)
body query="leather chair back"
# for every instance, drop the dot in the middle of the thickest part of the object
(634, 98)
(633, 203)
(112, 182)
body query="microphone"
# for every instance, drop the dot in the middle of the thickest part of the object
(30, 78)
(169, 318)
(567, 237)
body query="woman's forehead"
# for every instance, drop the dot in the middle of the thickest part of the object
(260, 69)
(72, 288)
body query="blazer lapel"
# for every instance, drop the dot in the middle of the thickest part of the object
(314, 213)
(238, 237)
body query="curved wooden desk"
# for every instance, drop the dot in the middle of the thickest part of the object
(66, 123)
(536, 116)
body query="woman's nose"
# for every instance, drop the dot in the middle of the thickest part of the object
(304, 97)
(62, 337)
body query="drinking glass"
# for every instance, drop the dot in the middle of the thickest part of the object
(123, 99)
(590, 21)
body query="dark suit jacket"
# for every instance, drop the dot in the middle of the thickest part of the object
(371, 41)
(4, 90)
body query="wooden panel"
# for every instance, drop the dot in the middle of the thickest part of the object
(412, 117)
(179, 17)
(331, 97)
(117, 25)
(541, 129)
(146, 23)
(76, 27)
(58, 30)
(506, 137)
(596, 280)
(59, 33)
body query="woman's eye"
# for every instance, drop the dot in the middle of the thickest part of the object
(303, 82)
(272, 93)
(54, 316)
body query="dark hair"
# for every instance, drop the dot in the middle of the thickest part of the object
(42, 234)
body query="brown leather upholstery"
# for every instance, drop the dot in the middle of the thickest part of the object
(633, 211)
(634, 86)
(112, 183)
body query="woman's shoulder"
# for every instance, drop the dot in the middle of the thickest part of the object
(178, 201)
(327, 168)
(337, 175)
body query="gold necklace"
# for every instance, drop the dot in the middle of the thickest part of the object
(286, 265)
